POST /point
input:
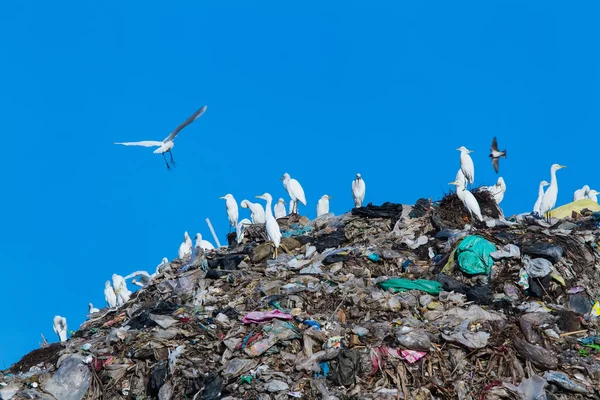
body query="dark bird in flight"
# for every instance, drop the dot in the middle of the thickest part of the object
(495, 154)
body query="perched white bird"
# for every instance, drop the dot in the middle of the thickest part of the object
(123, 294)
(294, 190)
(144, 276)
(497, 190)
(466, 164)
(593, 195)
(549, 199)
(240, 228)
(280, 209)
(232, 210)
(162, 265)
(358, 191)
(60, 327)
(467, 198)
(109, 295)
(538, 203)
(92, 309)
(185, 248)
(273, 231)
(257, 212)
(581, 193)
(292, 207)
(204, 244)
(168, 143)
(323, 205)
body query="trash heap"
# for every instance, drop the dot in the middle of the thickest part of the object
(383, 302)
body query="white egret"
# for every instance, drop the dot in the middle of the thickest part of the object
(466, 164)
(60, 327)
(323, 205)
(144, 276)
(257, 212)
(272, 227)
(185, 248)
(495, 154)
(469, 201)
(204, 244)
(280, 209)
(294, 190)
(232, 210)
(549, 199)
(538, 203)
(240, 229)
(593, 195)
(358, 191)
(168, 143)
(497, 190)
(123, 294)
(581, 193)
(92, 309)
(109, 295)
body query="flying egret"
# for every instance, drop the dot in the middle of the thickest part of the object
(232, 210)
(257, 212)
(497, 190)
(60, 327)
(185, 248)
(294, 190)
(109, 295)
(358, 191)
(323, 205)
(168, 143)
(538, 203)
(241, 228)
(593, 195)
(280, 209)
(581, 193)
(549, 199)
(92, 309)
(466, 164)
(495, 154)
(469, 201)
(204, 244)
(273, 231)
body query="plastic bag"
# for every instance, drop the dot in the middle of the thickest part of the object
(564, 382)
(473, 255)
(402, 284)
(508, 251)
(71, 381)
(549, 251)
(538, 267)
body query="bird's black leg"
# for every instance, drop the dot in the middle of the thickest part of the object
(166, 163)
(172, 160)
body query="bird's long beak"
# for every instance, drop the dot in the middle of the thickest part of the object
(562, 166)
(330, 197)
(453, 183)
(258, 197)
(470, 151)
(222, 197)
(458, 149)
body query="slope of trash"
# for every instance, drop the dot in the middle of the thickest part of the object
(383, 302)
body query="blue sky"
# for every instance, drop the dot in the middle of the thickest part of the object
(320, 90)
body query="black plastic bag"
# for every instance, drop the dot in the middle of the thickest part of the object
(549, 251)
(389, 210)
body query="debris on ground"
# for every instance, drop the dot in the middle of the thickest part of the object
(384, 302)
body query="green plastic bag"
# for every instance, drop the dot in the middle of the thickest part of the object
(402, 284)
(473, 255)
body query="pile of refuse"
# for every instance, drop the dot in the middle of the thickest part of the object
(383, 302)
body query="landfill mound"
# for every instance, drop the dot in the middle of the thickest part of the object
(383, 302)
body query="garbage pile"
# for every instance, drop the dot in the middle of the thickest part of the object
(383, 302)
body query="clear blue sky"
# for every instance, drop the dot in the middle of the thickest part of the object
(321, 90)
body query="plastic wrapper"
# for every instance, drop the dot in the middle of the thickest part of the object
(71, 381)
